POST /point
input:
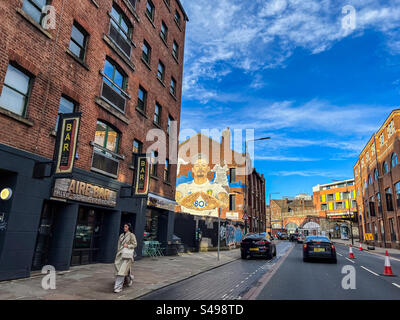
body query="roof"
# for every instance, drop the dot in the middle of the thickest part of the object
(183, 10)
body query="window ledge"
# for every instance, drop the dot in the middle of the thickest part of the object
(157, 125)
(151, 21)
(15, 116)
(103, 173)
(162, 82)
(117, 155)
(95, 4)
(28, 18)
(154, 177)
(167, 5)
(175, 58)
(164, 41)
(168, 183)
(132, 10)
(179, 27)
(143, 113)
(173, 96)
(118, 51)
(108, 107)
(146, 64)
(82, 63)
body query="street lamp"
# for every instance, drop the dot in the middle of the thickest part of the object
(270, 216)
(245, 177)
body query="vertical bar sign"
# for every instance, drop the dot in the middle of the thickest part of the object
(142, 175)
(67, 139)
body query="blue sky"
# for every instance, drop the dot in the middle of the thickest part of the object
(288, 70)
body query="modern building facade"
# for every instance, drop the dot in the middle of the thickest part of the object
(337, 203)
(377, 180)
(116, 65)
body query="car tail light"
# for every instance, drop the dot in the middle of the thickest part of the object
(333, 247)
(305, 246)
(263, 242)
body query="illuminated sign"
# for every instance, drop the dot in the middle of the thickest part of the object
(67, 139)
(6, 194)
(142, 175)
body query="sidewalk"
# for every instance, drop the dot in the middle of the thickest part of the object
(96, 281)
(395, 253)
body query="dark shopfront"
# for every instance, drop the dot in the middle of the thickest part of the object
(41, 226)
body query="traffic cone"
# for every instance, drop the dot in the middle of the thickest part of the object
(351, 254)
(361, 249)
(388, 268)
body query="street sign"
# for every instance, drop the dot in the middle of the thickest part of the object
(368, 236)
(245, 216)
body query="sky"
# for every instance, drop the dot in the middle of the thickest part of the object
(289, 70)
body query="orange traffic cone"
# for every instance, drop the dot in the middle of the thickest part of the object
(361, 249)
(351, 254)
(388, 268)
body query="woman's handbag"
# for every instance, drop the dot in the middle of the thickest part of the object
(127, 253)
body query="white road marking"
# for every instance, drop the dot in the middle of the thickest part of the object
(395, 284)
(224, 296)
(350, 260)
(339, 254)
(237, 286)
(370, 271)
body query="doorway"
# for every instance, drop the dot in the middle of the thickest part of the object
(87, 236)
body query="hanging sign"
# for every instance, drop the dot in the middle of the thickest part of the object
(142, 175)
(67, 137)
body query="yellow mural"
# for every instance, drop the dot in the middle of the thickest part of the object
(201, 196)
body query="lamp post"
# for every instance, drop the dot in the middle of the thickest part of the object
(270, 211)
(245, 178)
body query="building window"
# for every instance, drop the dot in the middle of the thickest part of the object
(77, 44)
(175, 50)
(166, 171)
(177, 18)
(390, 128)
(232, 175)
(164, 31)
(397, 187)
(392, 232)
(382, 231)
(160, 71)
(170, 119)
(378, 197)
(372, 206)
(137, 147)
(146, 52)
(66, 106)
(16, 90)
(385, 168)
(154, 160)
(375, 231)
(389, 199)
(142, 99)
(157, 114)
(172, 89)
(395, 160)
(106, 144)
(150, 10)
(369, 179)
(133, 3)
(381, 140)
(376, 174)
(367, 157)
(121, 30)
(114, 85)
(232, 202)
(34, 9)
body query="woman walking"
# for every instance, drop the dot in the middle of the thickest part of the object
(124, 258)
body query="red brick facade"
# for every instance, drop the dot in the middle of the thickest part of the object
(55, 72)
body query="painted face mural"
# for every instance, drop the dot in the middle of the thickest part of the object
(200, 196)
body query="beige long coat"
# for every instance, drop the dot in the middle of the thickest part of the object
(123, 266)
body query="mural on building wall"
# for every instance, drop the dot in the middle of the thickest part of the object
(231, 234)
(202, 195)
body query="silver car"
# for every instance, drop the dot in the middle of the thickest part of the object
(301, 238)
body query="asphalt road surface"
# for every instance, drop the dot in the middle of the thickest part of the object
(228, 282)
(300, 280)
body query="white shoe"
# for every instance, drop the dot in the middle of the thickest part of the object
(117, 290)
(130, 282)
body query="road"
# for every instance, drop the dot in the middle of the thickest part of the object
(228, 282)
(300, 280)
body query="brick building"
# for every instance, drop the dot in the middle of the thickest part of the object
(337, 203)
(256, 202)
(119, 64)
(377, 180)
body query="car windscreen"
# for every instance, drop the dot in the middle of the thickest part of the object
(317, 239)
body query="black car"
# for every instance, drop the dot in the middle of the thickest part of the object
(319, 247)
(257, 244)
(293, 236)
(283, 236)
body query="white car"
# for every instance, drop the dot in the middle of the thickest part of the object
(301, 238)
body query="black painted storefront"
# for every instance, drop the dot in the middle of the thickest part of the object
(38, 230)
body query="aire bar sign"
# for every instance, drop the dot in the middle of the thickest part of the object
(67, 138)
(142, 175)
